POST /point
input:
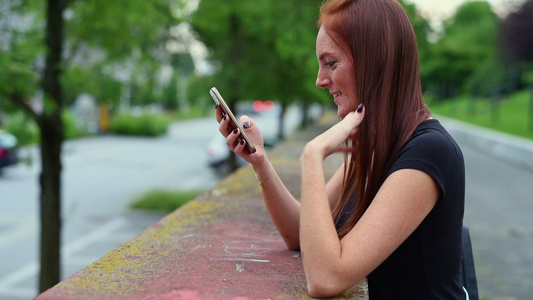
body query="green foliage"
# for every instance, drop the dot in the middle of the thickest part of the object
(118, 43)
(163, 200)
(467, 47)
(92, 80)
(259, 54)
(527, 72)
(511, 115)
(27, 133)
(193, 112)
(23, 128)
(140, 125)
(20, 50)
(120, 27)
(70, 126)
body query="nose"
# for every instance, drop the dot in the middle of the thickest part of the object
(322, 81)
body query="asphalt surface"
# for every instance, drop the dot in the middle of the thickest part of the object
(499, 190)
(499, 209)
(101, 176)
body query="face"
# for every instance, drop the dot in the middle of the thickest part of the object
(336, 73)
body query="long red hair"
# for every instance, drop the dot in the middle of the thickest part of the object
(381, 40)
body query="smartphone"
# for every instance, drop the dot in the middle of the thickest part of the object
(220, 101)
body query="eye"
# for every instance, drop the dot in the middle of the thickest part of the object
(330, 63)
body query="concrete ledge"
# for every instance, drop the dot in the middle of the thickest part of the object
(222, 245)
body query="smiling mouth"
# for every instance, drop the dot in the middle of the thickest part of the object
(336, 95)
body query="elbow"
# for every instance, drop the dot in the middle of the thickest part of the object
(324, 288)
(292, 244)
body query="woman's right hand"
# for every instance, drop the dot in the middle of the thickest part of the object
(236, 143)
(332, 140)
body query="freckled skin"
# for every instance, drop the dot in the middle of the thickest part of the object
(336, 72)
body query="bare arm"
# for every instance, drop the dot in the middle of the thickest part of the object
(331, 265)
(283, 207)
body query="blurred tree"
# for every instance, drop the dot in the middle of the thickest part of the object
(294, 45)
(517, 38)
(422, 30)
(90, 46)
(119, 45)
(257, 54)
(466, 48)
(21, 82)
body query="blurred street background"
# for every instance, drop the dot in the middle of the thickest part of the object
(107, 102)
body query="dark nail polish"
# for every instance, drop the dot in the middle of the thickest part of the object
(216, 107)
(224, 118)
(235, 131)
(360, 108)
(241, 142)
(246, 125)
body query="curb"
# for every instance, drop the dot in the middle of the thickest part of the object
(506, 147)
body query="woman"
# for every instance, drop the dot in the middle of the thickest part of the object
(393, 211)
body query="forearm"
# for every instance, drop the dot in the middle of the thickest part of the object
(283, 208)
(320, 245)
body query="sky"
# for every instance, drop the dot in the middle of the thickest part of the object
(442, 9)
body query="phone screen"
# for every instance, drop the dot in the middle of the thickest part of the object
(220, 101)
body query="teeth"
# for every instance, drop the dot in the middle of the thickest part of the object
(336, 95)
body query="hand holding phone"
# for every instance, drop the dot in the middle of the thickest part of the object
(220, 101)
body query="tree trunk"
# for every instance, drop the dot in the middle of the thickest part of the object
(304, 121)
(281, 121)
(51, 127)
(50, 199)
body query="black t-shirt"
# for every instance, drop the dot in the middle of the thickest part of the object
(427, 264)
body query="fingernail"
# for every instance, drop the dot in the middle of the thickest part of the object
(235, 131)
(224, 118)
(241, 142)
(360, 108)
(246, 124)
(216, 107)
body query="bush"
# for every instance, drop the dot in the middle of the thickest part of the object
(23, 128)
(70, 127)
(164, 200)
(142, 125)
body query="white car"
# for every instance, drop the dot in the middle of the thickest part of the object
(217, 150)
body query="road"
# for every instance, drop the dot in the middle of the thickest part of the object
(101, 176)
(498, 212)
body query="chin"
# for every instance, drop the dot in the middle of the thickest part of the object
(341, 113)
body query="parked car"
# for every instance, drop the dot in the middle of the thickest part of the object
(8, 151)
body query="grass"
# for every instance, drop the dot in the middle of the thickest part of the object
(191, 113)
(512, 114)
(163, 200)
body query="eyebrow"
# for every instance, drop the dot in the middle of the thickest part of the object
(321, 57)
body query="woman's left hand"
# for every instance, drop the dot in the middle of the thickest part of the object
(332, 140)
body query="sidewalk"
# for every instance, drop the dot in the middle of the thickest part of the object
(23, 284)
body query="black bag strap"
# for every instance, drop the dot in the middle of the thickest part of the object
(468, 271)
